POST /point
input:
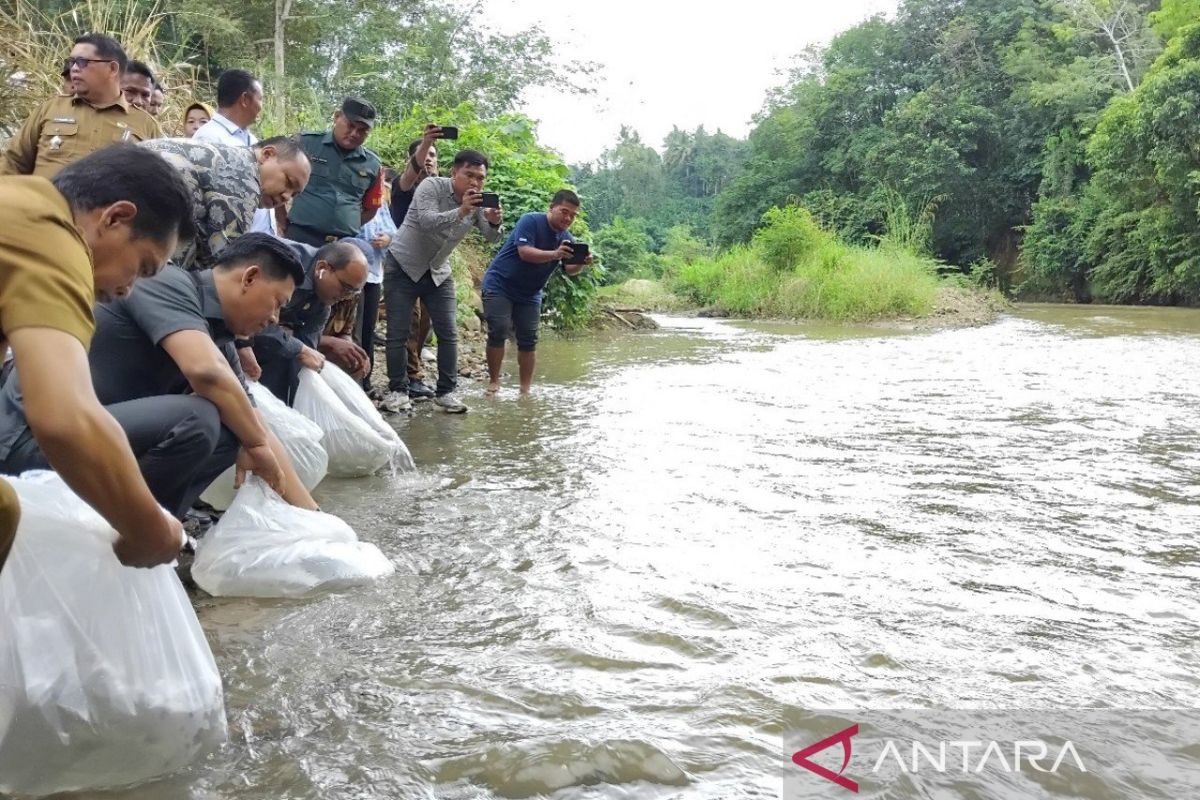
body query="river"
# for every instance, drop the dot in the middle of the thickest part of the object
(631, 584)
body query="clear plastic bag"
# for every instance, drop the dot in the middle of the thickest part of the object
(356, 446)
(300, 436)
(351, 393)
(106, 679)
(264, 547)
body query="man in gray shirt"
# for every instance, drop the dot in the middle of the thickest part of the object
(417, 265)
(163, 365)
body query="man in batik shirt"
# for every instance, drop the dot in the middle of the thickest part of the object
(229, 184)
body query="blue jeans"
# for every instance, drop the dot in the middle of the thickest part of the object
(503, 315)
(400, 292)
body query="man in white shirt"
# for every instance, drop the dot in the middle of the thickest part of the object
(239, 102)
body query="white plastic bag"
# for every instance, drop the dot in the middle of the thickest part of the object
(356, 447)
(106, 679)
(300, 436)
(350, 392)
(264, 547)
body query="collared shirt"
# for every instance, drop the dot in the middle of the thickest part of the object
(301, 320)
(519, 280)
(226, 190)
(46, 278)
(222, 130)
(432, 229)
(127, 358)
(66, 128)
(45, 265)
(343, 185)
(342, 317)
(380, 223)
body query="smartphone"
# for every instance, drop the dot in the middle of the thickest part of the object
(579, 253)
(490, 200)
(449, 131)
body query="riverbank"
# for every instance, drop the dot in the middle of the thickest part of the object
(627, 306)
(953, 307)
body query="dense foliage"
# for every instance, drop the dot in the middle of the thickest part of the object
(1045, 144)
(794, 268)
(1050, 142)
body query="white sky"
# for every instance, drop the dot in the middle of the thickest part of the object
(668, 63)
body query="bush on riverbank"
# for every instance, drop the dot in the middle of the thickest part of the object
(793, 268)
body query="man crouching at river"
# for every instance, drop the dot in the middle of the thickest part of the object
(163, 364)
(512, 285)
(106, 219)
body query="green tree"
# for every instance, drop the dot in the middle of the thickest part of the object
(625, 247)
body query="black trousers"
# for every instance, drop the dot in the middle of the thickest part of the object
(281, 376)
(178, 440)
(368, 318)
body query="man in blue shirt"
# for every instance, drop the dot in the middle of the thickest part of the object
(513, 283)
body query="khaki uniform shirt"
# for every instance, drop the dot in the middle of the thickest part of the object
(66, 128)
(45, 278)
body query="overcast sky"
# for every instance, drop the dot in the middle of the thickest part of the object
(668, 63)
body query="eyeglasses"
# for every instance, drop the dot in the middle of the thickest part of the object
(347, 289)
(83, 63)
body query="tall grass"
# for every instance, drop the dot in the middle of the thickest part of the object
(34, 42)
(817, 277)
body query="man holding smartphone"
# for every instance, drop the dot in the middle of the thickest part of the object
(422, 164)
(417, 265)
(513, 283)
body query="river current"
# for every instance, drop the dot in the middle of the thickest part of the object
(636, 582)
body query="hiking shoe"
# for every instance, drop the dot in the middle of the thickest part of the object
(450, 404)
(418, 390)
(395, 402)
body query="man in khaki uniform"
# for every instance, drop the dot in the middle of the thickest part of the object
(68, 127)
(105, 220)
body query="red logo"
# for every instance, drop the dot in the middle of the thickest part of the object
(801, 758)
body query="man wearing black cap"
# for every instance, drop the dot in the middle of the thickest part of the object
(346, 187)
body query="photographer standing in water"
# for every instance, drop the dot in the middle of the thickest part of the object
(513, 283)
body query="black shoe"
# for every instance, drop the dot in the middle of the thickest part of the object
(416, 389)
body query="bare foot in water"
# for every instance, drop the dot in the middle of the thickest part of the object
(491, 390)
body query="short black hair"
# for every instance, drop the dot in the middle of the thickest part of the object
(339, 254)
(232, 84)
(286, 146)
(565, 196)
(106, 47)
(472, 157)
(413, 145)
(274, 257)
(143, 177)
(141, 68)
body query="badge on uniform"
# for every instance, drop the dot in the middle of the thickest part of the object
(362, 172)
(65, 120)
(55, 142)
